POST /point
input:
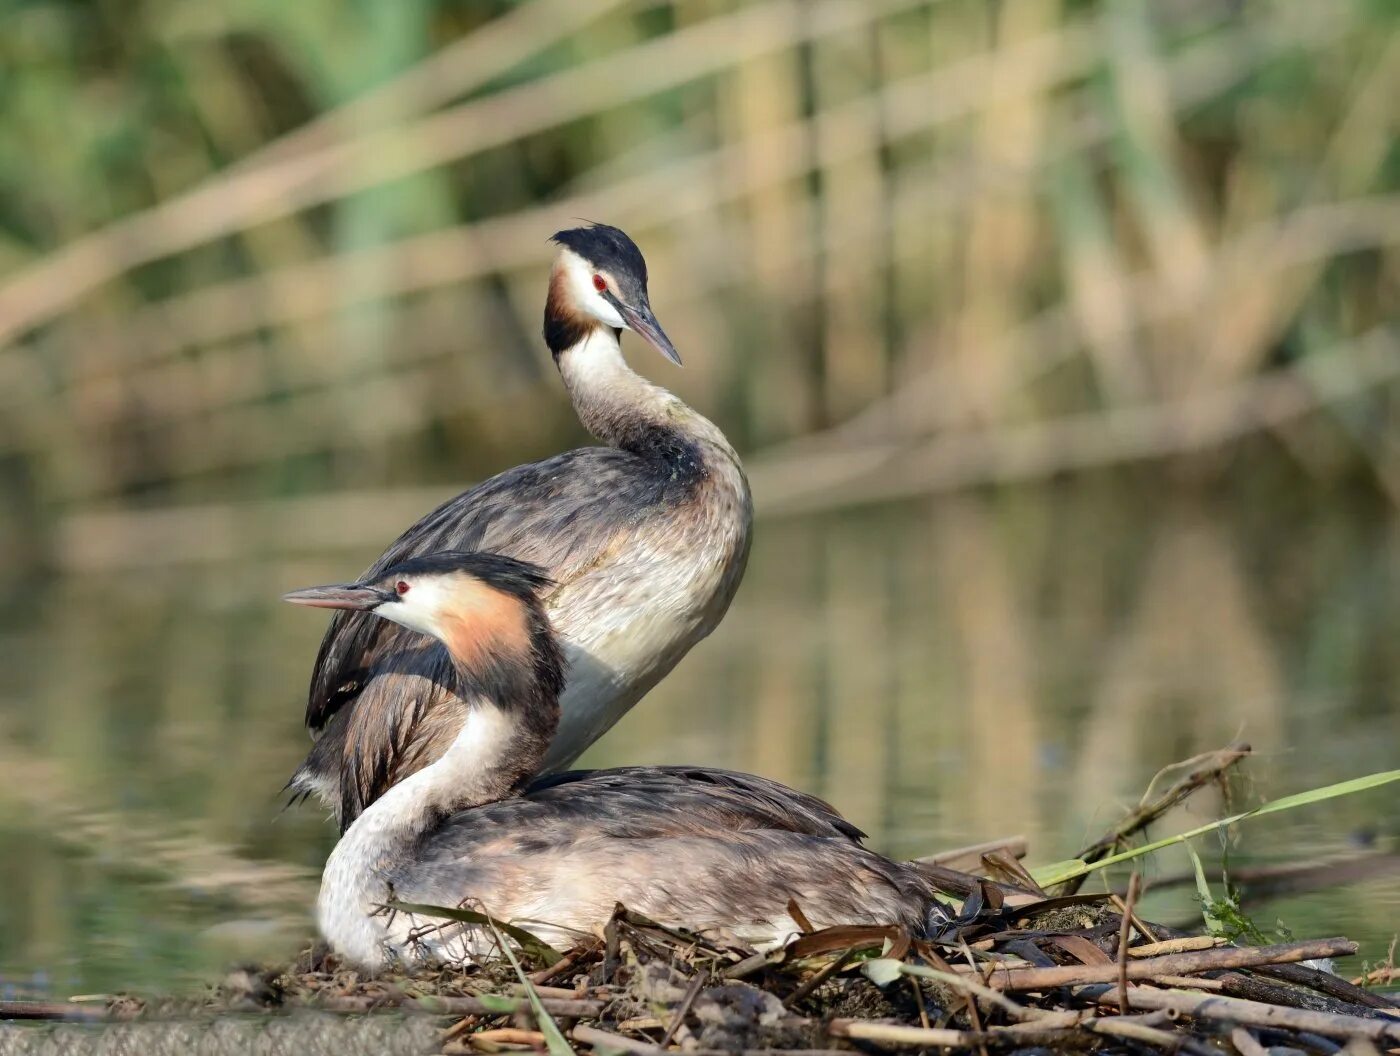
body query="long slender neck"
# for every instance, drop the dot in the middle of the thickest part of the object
(511, 712)
(620, 407)
(613, 401)
(360, 873)
(496, 750)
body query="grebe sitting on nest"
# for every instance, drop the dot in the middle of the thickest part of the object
(712, 851)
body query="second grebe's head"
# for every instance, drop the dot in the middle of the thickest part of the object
(485, 608)
(600, 279)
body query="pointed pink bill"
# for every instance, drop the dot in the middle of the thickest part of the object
(341, 596)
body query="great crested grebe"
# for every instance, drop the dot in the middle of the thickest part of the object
(645, 541)
(709, 850)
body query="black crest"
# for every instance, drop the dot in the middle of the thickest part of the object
(517, 578)
(607, 247)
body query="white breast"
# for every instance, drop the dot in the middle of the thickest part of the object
(627, 624)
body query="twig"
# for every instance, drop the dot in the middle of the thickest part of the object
(602, 1039)
(1246, 1044)
(566, 963)
(1019, 1013)
(1215, 764)
(1181, 945)
(506, 1036)
(1138, 1028)
(898, 1034)
(1333, 986)
(1125, 931)
(1238, 1010)
(971, 855)
(820, 977)
(1327, 983)
(682, 1010)
(1008, 979)
(461, 1006)
(55, 1010)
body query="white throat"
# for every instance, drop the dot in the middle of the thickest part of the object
(606, 393)
(357, 878)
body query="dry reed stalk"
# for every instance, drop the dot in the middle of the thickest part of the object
(850, 452)
(303, 303)
(1081, 441)
(451, 72)
(297, 182)
(503, 243)
(1024, 979)
(1237, 1010)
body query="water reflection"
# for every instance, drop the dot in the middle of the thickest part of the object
(944, 672)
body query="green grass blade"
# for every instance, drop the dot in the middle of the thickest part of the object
(1056, 872)
(554, 1039)
(531, 944)
(1298, 799)
(1214, 925)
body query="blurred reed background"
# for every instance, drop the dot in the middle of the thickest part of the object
(1058, 336)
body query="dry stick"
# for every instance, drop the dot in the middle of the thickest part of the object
(957, 882)
(1333, 986)
(1185, 944)
(1238, 1010)
(1007, 979)
(1131, 914)
(973, 1013)
(1189, 982)
(1246, 1044)
(1016, 846)
(511, 1036)
(462, 1006)
(60, 1010)
(565, 963)
(1139, 1028)
(898, 1034)
(919, 1001)
(602, 1039)
(1125, 930)
(678, 1018)
(1146, 813)
(1326, 983)
(820, 977)
(1018, 1013)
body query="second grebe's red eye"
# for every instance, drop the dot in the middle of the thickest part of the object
(599, 283)
(401, 587)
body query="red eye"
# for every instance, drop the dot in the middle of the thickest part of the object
(599, 283)
(401, 587)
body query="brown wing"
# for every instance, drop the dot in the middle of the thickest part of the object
(670, 800)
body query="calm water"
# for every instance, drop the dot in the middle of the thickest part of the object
(944, 672)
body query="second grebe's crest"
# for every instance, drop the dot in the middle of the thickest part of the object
(600, 277)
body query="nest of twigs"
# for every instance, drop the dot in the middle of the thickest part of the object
(1014, 968)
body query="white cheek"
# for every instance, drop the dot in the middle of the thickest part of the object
(585, 296)
(605, 312)
(415, 609)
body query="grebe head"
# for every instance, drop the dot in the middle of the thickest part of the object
(600, 279)
(485, 608)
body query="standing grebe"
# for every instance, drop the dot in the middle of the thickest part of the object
(645, 541)
(709, 850)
